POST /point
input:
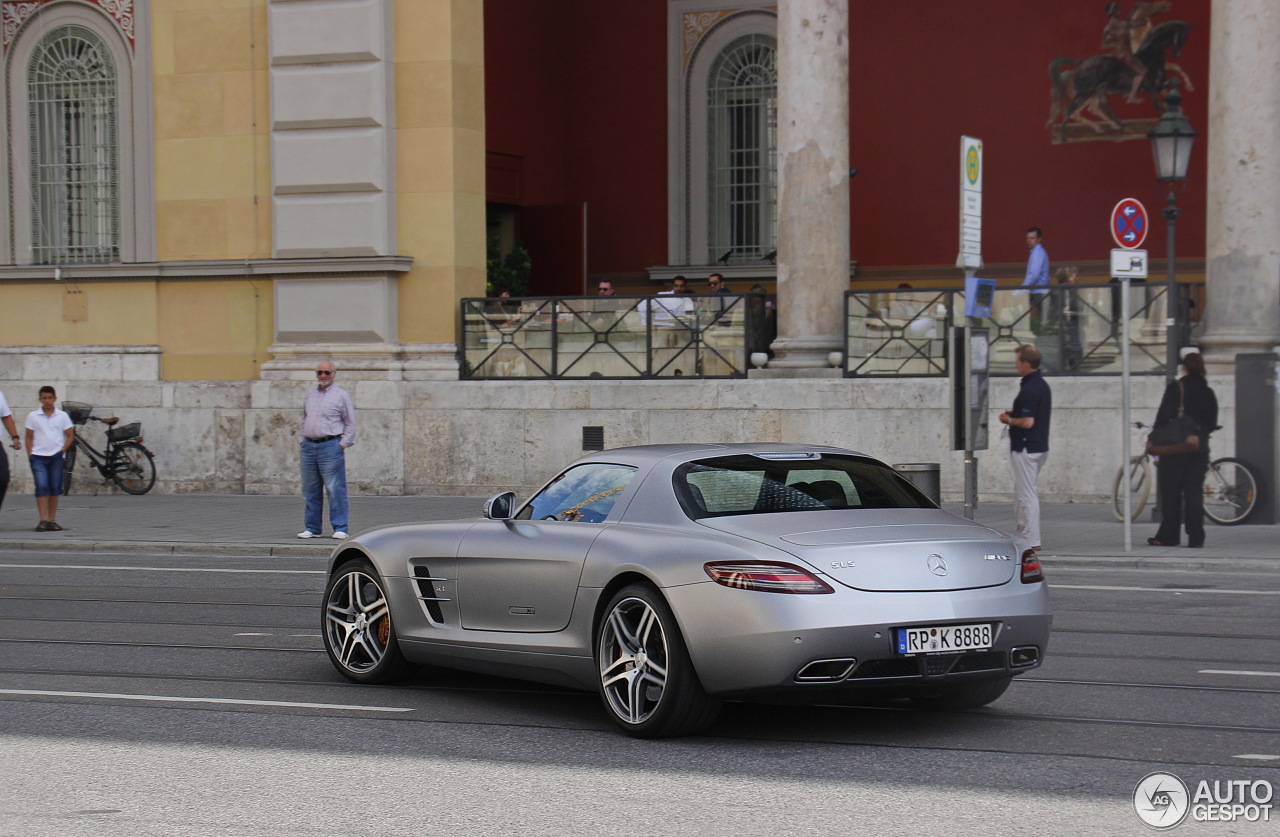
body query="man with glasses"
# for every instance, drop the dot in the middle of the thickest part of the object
(718, 310)
(328, 428)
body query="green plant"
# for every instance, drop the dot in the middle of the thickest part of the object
(510, 271)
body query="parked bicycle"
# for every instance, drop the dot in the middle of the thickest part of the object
(125, 460)
(1230, 487)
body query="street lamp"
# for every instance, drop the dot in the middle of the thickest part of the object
(1171, 141)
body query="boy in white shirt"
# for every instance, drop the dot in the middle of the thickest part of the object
(49, 434)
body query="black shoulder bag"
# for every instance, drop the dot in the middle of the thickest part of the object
(1179, 429)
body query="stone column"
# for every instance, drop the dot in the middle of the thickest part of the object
(813, 181)
(1243, 225)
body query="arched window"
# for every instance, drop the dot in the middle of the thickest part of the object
(722, 169)
(72, 101)
(742, 119)
(80, 184)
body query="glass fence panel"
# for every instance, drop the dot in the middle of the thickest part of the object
(696, 335)
(898, 333)
(1075, 327)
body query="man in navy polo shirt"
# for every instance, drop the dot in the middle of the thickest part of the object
(1028, 441)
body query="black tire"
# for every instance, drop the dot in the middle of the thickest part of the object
(1230, 491)
(356, 625)
(1140, 480)
(133, 468)
(68, 465)
(963, 695)
(647, 681)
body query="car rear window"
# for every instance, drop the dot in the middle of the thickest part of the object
(747, 484)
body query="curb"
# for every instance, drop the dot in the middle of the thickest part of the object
(172, 547)
(1211, 564)
(1102, 562)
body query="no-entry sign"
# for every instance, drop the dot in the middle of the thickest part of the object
(1129, 223)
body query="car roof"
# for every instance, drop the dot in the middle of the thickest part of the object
(650, 455)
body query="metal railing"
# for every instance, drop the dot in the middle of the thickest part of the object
(903, 333)
(664, 336)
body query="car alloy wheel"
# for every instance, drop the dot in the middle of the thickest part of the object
(357, 628)
(647, 681)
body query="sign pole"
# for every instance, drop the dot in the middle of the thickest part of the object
(1129, 225)
(1125, 409)
(970, 259)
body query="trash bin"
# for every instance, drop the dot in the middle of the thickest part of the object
(926, 476)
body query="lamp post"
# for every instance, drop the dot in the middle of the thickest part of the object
(1171, 141)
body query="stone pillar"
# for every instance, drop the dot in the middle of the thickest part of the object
(1243, 225)
(813, 181)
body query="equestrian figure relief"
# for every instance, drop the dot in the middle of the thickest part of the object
(1137, 63)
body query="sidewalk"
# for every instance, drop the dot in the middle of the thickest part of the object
(1077, 534)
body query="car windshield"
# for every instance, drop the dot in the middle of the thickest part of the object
(748, 484)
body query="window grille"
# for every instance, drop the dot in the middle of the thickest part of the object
(742, 105)
(75, 196)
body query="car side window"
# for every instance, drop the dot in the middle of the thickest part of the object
(585, 494)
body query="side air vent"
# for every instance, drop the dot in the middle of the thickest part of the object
(428, 593)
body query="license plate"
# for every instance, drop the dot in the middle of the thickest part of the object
(944, 639)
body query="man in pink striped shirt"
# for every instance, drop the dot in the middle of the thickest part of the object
(328, 428)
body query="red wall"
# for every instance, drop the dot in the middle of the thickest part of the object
(578, 88)
(925, 73)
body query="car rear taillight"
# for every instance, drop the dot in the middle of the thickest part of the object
(1031, 572)
(765, 577)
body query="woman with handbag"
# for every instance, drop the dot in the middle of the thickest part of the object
(1180, 437)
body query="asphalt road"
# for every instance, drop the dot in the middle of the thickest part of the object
(190, 695)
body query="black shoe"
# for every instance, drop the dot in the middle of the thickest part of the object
(1196, 545)
(42, 526)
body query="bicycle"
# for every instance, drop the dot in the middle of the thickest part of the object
(126, 461)
(1230, 488)
(1139, 480)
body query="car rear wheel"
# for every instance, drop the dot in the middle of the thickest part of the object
(963, 696)
(358, 634)
(647, 680)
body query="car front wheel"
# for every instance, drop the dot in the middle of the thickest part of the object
(647, 680)
(358, 634)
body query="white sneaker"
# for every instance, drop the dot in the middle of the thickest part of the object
(339, 535)
(306, 534)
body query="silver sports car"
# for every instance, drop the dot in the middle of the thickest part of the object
(672, 577)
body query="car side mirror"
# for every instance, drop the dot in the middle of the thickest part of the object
(500, 506)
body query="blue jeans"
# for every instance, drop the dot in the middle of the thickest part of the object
(47, 471)
(324, 469)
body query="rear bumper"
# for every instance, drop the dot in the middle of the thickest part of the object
(749, 644)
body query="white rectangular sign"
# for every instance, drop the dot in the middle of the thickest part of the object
(1130, 264)
(970, 255)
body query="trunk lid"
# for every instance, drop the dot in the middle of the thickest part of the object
(896, 550)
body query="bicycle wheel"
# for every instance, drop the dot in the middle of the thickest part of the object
(68, 465)
(1230, 491)
(133, 469)
(1138, 479)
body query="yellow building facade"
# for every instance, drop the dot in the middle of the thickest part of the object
(244, 185)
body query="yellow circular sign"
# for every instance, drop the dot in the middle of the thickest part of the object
(971, 163)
